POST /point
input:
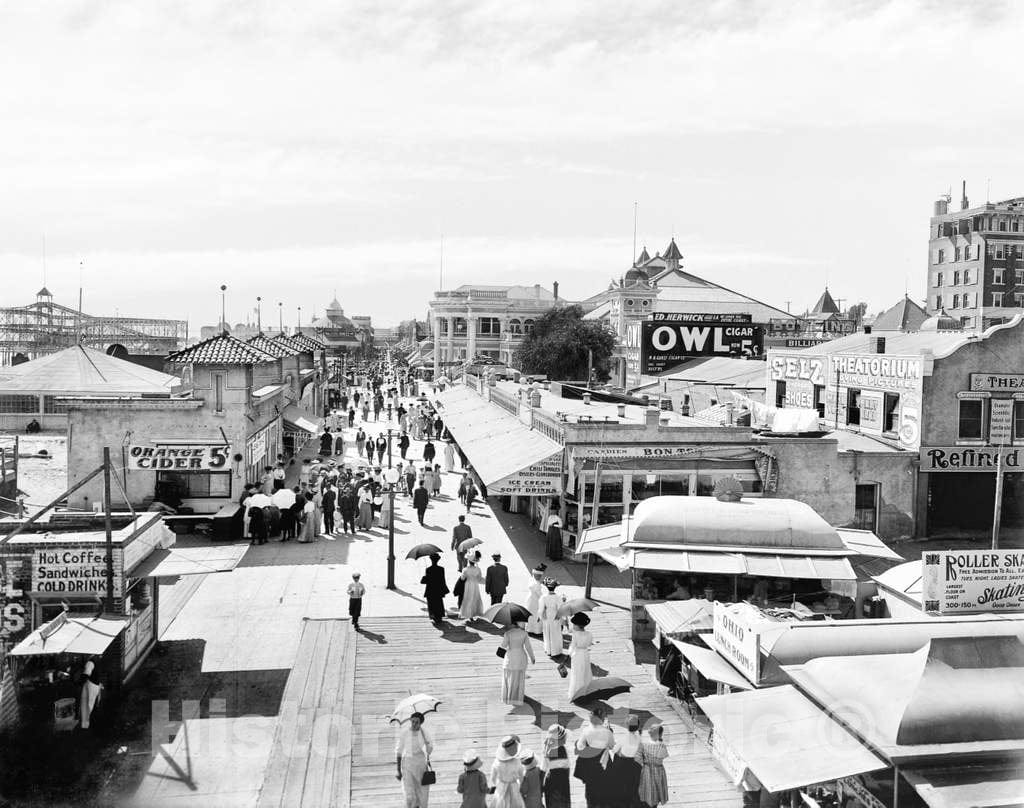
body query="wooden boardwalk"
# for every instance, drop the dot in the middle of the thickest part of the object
(399, 655)
(310, 757)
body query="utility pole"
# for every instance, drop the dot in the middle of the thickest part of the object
(389, 452)
(593, 523)
(108, 531)
(391, 477)
(997, 511)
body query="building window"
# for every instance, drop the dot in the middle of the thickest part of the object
(1020, 250)
(1018, 420)
(890, 413)
(1018, 277)
(515, 327)
(999, 252)
(853, 407)
(967, 300)
(997, 299)
(956, 301)
(956, 278)
(819, 399)
(866, 507)
(967, 276)
(959, 254)
(19, 404)
(938, 302)
(53, 406)
(1016, 226)
(1018, 299)
(938, 279)
(971, 417)
(997, 276)
(195, 484)
(941, 257)
(488, 326)
(442, 326)
(1002, 225)
(780, 394)
(967, 322)
(527, 326)
(218, 392)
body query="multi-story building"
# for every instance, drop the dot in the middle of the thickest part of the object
(976, 261)
(476, 320)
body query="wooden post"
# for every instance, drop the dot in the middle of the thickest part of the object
(107, 529)
(34, 517)
(997, 511)
(593, 523)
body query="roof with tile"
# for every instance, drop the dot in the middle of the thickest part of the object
(303, 342)
(223, 349)
(272, 346)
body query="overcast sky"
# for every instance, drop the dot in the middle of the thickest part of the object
(289, 151)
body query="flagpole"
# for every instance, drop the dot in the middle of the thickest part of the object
(997, 511)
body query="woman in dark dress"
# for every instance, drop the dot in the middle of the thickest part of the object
(624, 770)
(555, 765)
(554, 548)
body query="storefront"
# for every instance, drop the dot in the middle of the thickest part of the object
(776, 553)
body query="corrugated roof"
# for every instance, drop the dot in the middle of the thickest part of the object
(740, 373)
(84, 370)
(897, 343)
(223, 349)
(271, 346)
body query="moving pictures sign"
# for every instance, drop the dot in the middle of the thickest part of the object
(665, 344)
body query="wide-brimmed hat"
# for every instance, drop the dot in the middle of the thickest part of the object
(471, 760)
(539, 570)
(550, 583)
(508, 749)
(580, 619)
(496, 556)
(557, 732)
(526, 757)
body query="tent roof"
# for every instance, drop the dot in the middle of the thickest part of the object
(767, 523)
(825, 304)
(906, 315)
(84, 370)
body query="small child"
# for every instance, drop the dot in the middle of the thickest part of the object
(531, 785)
(472, 782)
(355, 600)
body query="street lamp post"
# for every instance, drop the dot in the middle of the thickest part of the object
(391, 478)
(389, 447)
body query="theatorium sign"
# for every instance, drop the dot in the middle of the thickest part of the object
(662, 345)
(973, 581)
(877, 372)
(178, 458)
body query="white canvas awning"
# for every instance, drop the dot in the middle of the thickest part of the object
(298, 420)
(712, 665)
(189, 561)
(72, 635)
(785, 740)
(767, 565)
(682, 616)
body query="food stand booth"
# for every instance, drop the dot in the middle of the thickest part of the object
(778, 554)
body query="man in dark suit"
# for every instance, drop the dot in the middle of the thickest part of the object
(460, 533)
(419, 501)
(328, 501)
(496, 582)
(435, 589)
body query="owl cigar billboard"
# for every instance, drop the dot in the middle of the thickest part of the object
(665, 344)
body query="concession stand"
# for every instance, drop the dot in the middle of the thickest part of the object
(778, 554)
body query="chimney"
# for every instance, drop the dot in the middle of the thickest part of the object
(586, 398)
(622, 410)
(730, 414)
(536, 290)
(941, 207)
(651, 416)
(554, 289)
(964, 205)
(880, 345)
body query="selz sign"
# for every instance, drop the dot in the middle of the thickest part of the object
(664, 345)
(973, 581)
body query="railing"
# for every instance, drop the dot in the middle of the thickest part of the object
(505, 401)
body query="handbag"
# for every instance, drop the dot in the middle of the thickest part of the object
(501, 651)
(429, 776)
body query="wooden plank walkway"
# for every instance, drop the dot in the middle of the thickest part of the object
(399, 655)
(310, 759)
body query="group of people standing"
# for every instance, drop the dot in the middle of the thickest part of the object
(616, 772)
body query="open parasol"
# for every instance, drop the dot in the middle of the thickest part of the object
(419, 703)
(571, 607)
(421, 550)
(469, 544)
(603, 687)
(506, 614)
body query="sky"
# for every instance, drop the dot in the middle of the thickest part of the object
(152, 151)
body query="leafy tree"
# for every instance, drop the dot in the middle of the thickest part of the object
(857, 312)
(559, 343)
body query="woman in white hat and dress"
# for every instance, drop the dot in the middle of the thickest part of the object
(516, 644)
(412, 756)
(472, 602)
(551, 623)
(579, 654)
(534, 624)
(507, 775)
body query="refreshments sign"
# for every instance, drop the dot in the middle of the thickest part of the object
(664, 345)
(183, 457)
(973, 581)
(75, 570)
(540, 479)
(735, 637)
(970, 458)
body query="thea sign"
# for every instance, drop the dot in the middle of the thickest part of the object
(664, 345)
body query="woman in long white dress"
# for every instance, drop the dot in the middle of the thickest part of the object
(472, 602)
(518, 650)
(551, 623)
(507, 775)
(534, 624)
(579, 654)
(412, 756)
(449, 457)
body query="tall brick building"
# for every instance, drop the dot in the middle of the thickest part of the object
(976, 261)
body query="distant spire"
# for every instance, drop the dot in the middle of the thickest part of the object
(643, 258)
